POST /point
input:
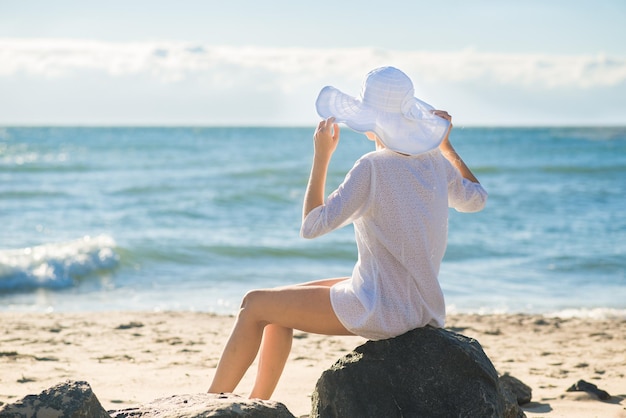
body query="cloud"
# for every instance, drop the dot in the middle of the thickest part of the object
(68, 81)
(222, 66)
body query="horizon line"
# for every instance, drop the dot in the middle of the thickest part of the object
(288, 126)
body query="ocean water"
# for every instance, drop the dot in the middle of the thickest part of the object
(103, 219)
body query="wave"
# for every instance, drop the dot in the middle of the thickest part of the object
(330, 252)
(599, 313)
(44, 168)
(580, 169)
(56, 265)
(589, 313)
(32, 194)
(203, 254)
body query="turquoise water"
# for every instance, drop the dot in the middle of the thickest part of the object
(192, 218)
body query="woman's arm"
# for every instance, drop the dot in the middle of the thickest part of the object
(325, 142)
(450, 153)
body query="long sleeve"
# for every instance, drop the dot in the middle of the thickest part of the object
(463, 194)
(343, 205)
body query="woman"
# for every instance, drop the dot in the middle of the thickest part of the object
(397, 197)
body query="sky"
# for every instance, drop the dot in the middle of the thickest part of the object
(262, 63)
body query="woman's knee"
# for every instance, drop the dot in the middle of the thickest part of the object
(251, 298)
(252, 303)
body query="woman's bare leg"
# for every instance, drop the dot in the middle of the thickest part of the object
(305, 307)
(275, 348)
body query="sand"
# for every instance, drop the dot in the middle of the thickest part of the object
(130, 358)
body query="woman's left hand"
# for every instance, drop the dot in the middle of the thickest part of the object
(443, 114)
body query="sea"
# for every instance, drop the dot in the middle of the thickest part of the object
(191, 218)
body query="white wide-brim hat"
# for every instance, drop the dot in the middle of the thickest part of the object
(388, 108)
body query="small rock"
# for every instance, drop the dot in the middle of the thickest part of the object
(66, 400)
(521, 392)
(582, 386)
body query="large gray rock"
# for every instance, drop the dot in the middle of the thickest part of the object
(65, 400)
(206, 405)
(426, 372)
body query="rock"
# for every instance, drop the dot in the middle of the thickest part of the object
(66, 400)
(206, 405)
(511, 402)
(582, 386)
(76, 400)
(520, 391)
(427, 372)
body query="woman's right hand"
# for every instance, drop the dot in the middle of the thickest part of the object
(326, 138)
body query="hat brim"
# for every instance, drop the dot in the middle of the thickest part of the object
(415, 130)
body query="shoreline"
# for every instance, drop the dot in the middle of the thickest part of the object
(134, 357)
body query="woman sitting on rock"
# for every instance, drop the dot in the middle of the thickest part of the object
(397, 198)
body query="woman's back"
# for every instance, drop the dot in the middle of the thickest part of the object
(399, 207)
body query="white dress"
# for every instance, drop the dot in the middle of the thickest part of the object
(399, 207)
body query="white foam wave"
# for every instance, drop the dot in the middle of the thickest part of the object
(589, 313)
(56, 265)
(583, 313)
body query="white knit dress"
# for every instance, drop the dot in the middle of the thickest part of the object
(399, 207)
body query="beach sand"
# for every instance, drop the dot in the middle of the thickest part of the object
(130, 358)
